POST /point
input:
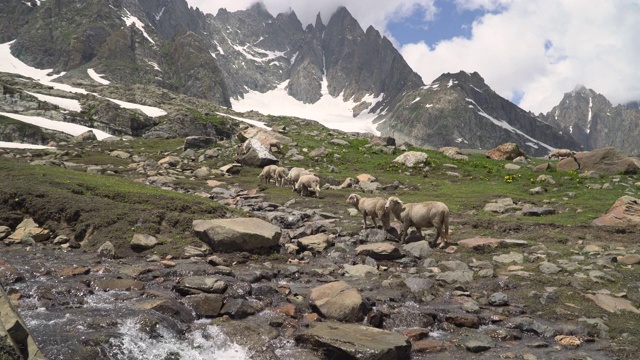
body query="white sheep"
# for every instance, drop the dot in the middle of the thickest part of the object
(281, 174)
(421, 215)
(268, 173)
(294, 175)
(307, 183)
(372, 207)
(561, 153)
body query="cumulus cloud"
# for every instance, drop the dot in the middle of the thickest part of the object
(531, 51)
(540, 50)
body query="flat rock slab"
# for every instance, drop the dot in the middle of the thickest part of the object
(481, 243)
(380, 251)
(239, 234)
(612, 304)
(351, 341)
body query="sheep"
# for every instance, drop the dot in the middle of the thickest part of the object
(421, 215)
(561, 153)
(268, 173)
(308, 183)
(281, 174)
(372, 207)
(294, 175)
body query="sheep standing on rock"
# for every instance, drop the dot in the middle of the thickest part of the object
(560, 154)
(281, 174)
(421, 215)
(307, 183)
(372, 207)
(268, 173)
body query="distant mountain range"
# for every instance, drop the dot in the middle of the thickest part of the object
(244, 59)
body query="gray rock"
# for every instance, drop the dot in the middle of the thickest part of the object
(142, 242)
(198, 142)
(239, 234)
(412, 158)
(456, 277)
(549, 268)
(107, 250)
(499, 299)
(379, 251)
(354, 341)
(338, 301)
(120, 154)
(538, 211)
(511, 257)
(419, 249)
(477, 342)
(416, 284)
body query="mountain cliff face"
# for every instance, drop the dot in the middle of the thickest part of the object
(461, 110)
(595, 123)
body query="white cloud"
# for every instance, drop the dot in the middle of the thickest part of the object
(542, 49)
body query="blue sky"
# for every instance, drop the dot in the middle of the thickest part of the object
(528, 51)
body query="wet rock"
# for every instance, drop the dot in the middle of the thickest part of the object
(350, 341)
(429, 346)
(416, 334)
(379, 251)
(527, 324)
(461, 319)
(476, 342)
(4, 232)
(143, 242)
(241, 308)
(15, 338)
(168, 307)
(201, 284)
(338, 301)
(240, 234)
(118, 284)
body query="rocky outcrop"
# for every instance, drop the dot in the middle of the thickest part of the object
(608, 161)
(508, 151)
(624, 212)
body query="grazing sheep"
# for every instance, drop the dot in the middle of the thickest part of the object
(294, 175)
(372, 207)
(307, 183)
(421, 215)
(268, 173)
(560, 154)
(281, 174)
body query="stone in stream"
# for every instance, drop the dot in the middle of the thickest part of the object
(336, 340)
(239, 234)
(338, 301)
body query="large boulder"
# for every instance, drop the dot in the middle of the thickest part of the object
(16, 341)
(338, 301)
(240, 234)
(253, 153)
(604, 161)
(269, 139)
(453, 152)
(624, 212)
(508, 151)
(198, 142)
(412, 158)
(352, 341)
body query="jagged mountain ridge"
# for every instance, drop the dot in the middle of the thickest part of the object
(166, 43)
(595, 123)
(461, 110)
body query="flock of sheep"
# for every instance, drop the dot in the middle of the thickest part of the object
(419, 215)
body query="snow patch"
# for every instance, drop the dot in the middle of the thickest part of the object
(130, 19)
(11, 145)
(159, 15)
(332, 112)
(69, 104)
(155, 65)
(97, 77)
(418, 98)
(590, 114)
(259, 124)
(505, 125)
(148, 110)
(65, 127)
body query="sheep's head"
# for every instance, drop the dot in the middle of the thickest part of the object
(353, 199)
(392, 204)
